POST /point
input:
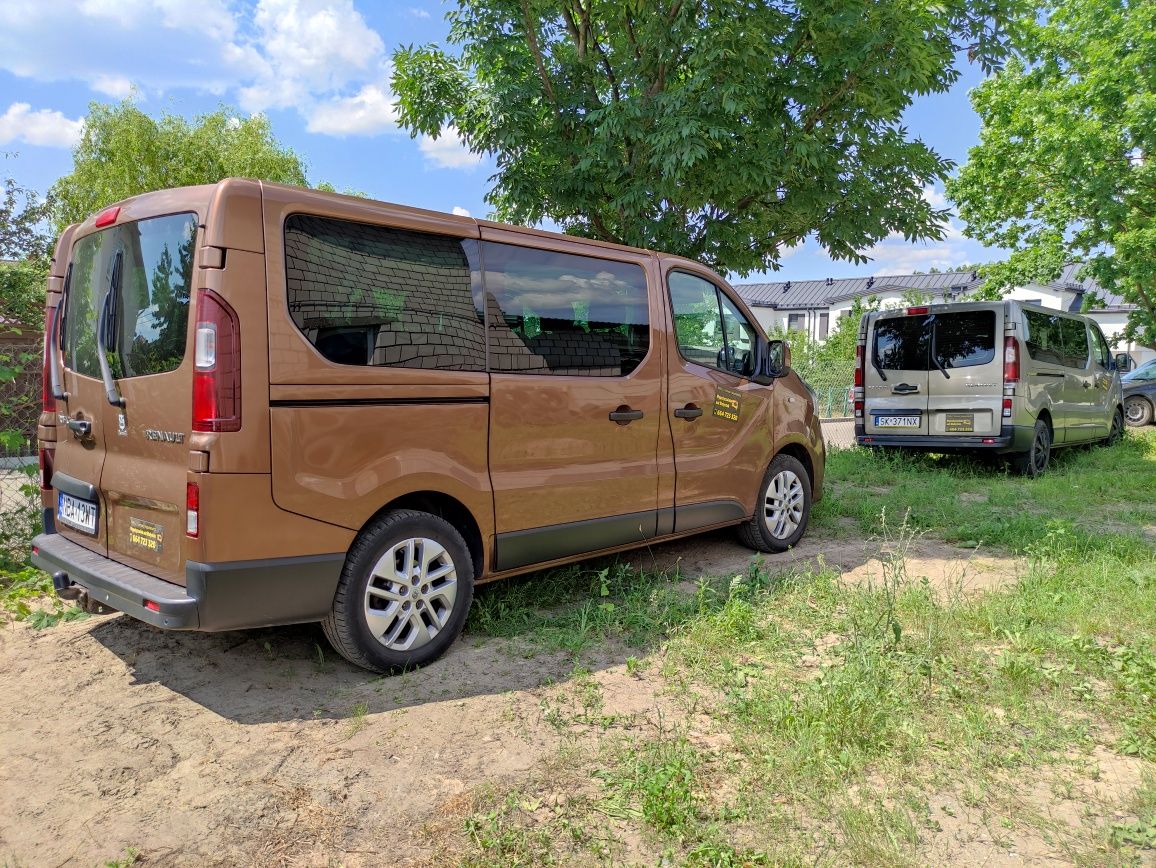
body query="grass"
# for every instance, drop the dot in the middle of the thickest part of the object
(819, 721)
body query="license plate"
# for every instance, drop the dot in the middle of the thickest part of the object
(897, 421)
(959, 423)
(77, 513)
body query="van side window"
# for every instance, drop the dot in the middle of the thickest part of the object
(1100, 348)
(379, 296)
(710, 329)
(561, 313)
(1074, 334)
(1043, 337)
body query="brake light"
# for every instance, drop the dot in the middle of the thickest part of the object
(47, 399)
(216, 366)
(1007, 408)
(107, 217)
(917, 311)
(192, 509)
(857, 389)
(1011, 360)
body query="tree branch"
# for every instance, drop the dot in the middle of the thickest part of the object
(532, 39)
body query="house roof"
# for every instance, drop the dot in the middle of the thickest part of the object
(809, 294)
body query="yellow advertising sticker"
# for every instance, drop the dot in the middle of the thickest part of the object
(146, 534)
(727, 403)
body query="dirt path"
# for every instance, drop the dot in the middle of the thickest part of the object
(262, 747)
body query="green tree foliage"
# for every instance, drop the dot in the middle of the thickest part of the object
(124, 152)
(1065, 169)
(719, 129)
(24, 252)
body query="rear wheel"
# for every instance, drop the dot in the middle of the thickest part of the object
(1116, 432)
(1137, 412)
(1035, 461)
(783, 510)
(404, 593)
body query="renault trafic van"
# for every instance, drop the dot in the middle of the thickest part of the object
(1001, 377)
(267, 405)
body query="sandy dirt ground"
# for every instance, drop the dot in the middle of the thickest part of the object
(264, 748)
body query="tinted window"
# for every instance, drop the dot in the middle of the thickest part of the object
(711, 331)
(374, 295)
(965, 339)
(560, 313)
(1043, 337)
(151, 312)
(1074, 334)
(902, 343)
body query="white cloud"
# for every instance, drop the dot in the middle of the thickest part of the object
(370, 111)
(460, 211)
(309, 47)
(447, 151)
(417, 12)
(41, 127)
(116, 86)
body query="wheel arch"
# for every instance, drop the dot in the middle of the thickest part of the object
(799, 451)
(446, 507)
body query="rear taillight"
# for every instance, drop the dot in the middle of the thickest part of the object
(857, 389)
(1011, 360)
(216, 366)
(192, 509)
(47, 399)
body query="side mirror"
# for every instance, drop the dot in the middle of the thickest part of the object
(1123, 362)
(774, 362)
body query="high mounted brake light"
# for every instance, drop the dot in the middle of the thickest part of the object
(107, 217)
(917, 311)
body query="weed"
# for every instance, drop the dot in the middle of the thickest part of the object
(131, 857)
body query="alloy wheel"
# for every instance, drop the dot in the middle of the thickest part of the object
(410, 595)
(783, 504)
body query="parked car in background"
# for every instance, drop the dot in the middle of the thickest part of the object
(1000, 377)
(1140, 395)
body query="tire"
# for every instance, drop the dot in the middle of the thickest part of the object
(1116, 432)
(1137, 411)
(1034, 462)
(783, 509)
(383, 625)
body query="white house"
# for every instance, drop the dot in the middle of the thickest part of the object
(813, 306)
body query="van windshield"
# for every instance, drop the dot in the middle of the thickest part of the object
(960, 340)
(151, 312)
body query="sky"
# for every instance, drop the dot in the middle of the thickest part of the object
(319, 69)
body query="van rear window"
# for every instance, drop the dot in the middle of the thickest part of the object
(151, 312)
(961, 340)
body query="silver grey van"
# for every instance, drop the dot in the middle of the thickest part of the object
(1003, 377)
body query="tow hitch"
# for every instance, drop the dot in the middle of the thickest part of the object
(67, 589)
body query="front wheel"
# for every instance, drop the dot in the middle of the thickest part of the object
(404, 593)
(1137, 412)
(1035, 461)
(1116, 432)
(783, 509)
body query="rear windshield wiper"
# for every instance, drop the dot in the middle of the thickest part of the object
(110, 389)
(934, 354)
(52, 340)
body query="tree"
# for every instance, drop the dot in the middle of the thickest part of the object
(718, 129)
(24, 250)
(1064, 170)
(124, 152)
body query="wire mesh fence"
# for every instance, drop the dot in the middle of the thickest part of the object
(831, 383)
(19, 398)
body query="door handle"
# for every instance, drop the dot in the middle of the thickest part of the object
(688, 412)
(904, 389)
(624, 415)
(80, 427)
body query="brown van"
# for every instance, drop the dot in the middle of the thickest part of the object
(267, 405)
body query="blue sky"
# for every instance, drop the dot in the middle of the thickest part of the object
(319, 70)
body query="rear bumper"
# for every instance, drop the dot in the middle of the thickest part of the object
(1011, 438)
(221, 596)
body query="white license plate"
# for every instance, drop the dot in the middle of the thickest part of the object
(897, 421)
(77, 513)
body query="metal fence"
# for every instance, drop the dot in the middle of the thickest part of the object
(19, 399)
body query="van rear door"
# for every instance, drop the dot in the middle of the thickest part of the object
(896, 373)
(120, 472)
(965, 391)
